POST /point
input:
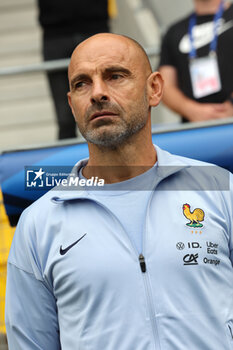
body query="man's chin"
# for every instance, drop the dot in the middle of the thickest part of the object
(106, 139)
(106, 142)
(111, 135)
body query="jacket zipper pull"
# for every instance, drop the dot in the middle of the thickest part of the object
(142, 263)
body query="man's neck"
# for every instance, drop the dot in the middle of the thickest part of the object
(122, 163)
(207, 7)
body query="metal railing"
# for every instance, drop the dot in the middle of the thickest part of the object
(54, 65)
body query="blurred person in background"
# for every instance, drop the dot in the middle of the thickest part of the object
(196, 62)
(65, 24)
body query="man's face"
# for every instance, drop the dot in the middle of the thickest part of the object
(108, 87)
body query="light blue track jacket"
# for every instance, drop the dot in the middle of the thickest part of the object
(75, 282)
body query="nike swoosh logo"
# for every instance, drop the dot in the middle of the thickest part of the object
(64, 251)
(203, 35)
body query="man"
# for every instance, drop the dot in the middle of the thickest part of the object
(128, 266)
(196, 62)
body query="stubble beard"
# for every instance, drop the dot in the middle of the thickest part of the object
(110, 133)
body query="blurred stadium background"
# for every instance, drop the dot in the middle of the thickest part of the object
(27, 116)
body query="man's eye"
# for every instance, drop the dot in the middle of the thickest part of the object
(116, 76)
(79, 84)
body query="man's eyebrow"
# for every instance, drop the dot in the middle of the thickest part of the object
(112, 69)
(78, 78)
(119, 69)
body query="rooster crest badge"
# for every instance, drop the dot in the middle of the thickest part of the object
(195, 217)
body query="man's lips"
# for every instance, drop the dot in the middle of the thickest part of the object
(102, 114)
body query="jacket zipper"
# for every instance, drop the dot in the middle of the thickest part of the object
(149, 298)
(143, 268)
(142, 263)
(148, 290)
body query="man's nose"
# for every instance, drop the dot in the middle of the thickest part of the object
(99, 91)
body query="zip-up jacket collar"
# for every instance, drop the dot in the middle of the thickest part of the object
(167, 165)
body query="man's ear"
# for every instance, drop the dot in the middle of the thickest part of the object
(70, 102)
(155, 85)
